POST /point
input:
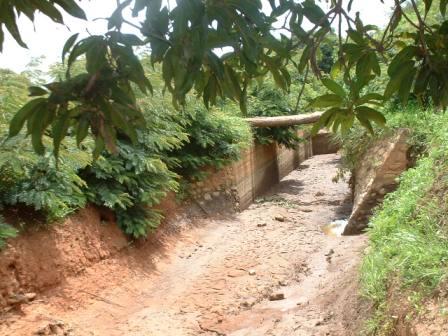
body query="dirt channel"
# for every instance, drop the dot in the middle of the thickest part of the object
(269, 270)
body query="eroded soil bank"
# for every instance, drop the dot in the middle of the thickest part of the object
(267, 271)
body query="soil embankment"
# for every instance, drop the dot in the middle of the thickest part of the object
(266, 271)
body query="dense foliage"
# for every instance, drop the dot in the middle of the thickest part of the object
(183, 39)
(268, 101)
(214, 140)
(171, 149)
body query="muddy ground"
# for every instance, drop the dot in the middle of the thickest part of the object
(269, 270)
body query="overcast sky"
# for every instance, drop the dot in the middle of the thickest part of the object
(45, 38)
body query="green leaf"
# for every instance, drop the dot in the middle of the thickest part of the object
(314, 13)
(306, 54)
(2, 39)
(120, 122)
(370, 98)
(59, 130)
(38, 128)
(334, 87)
(443, 5)
(353, 53)
(365, 122)
(82, 130)
(99, 147)
(139, 6)
(347, 123)
(323, 120)
(336, 69)
(9, 21)
(428, 4)
(23, 114)
(406, 85)
(327, 100)
(371, 114)
(68, 45)
(37, 91)
(356, 37)
(405, 55)
(81, 48)
(374, 63)
(421, 81)
(96, 57)
(396, 80)
(71, 7)
(279, 79)
(49, 10)
(363, 68)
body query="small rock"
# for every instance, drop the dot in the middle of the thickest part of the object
(43, 331)
(319, 193)
(279, 218)
(261, 224)
(208, 197)
(252, 272)
(306, 210)
(249, 303)
(17, 299)
(283, 283)
(277, 296)
(331, 252)
(216, 194)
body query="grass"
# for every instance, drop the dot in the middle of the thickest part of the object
(408, 254)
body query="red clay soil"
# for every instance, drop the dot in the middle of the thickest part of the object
(269, 270)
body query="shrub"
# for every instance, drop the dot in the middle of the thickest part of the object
(173, 146)
(29, 179)
(214, 140)
(138, 177)
(130, 183)
(269, 101)
(358, 139)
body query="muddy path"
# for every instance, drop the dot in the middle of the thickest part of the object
(267, 271)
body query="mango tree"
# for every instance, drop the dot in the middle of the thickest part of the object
(254, 40)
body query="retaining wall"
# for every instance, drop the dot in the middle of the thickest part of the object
(375, 176)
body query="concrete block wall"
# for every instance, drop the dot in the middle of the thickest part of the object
(237, 185)
(262, 166)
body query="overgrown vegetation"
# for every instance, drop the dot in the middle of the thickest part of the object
(413, 117)
(171, 149)
(268, 101)
(214, 140)
(408, 250)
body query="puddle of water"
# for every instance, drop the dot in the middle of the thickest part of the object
(335, 228)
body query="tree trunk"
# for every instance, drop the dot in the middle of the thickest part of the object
(300, 119)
